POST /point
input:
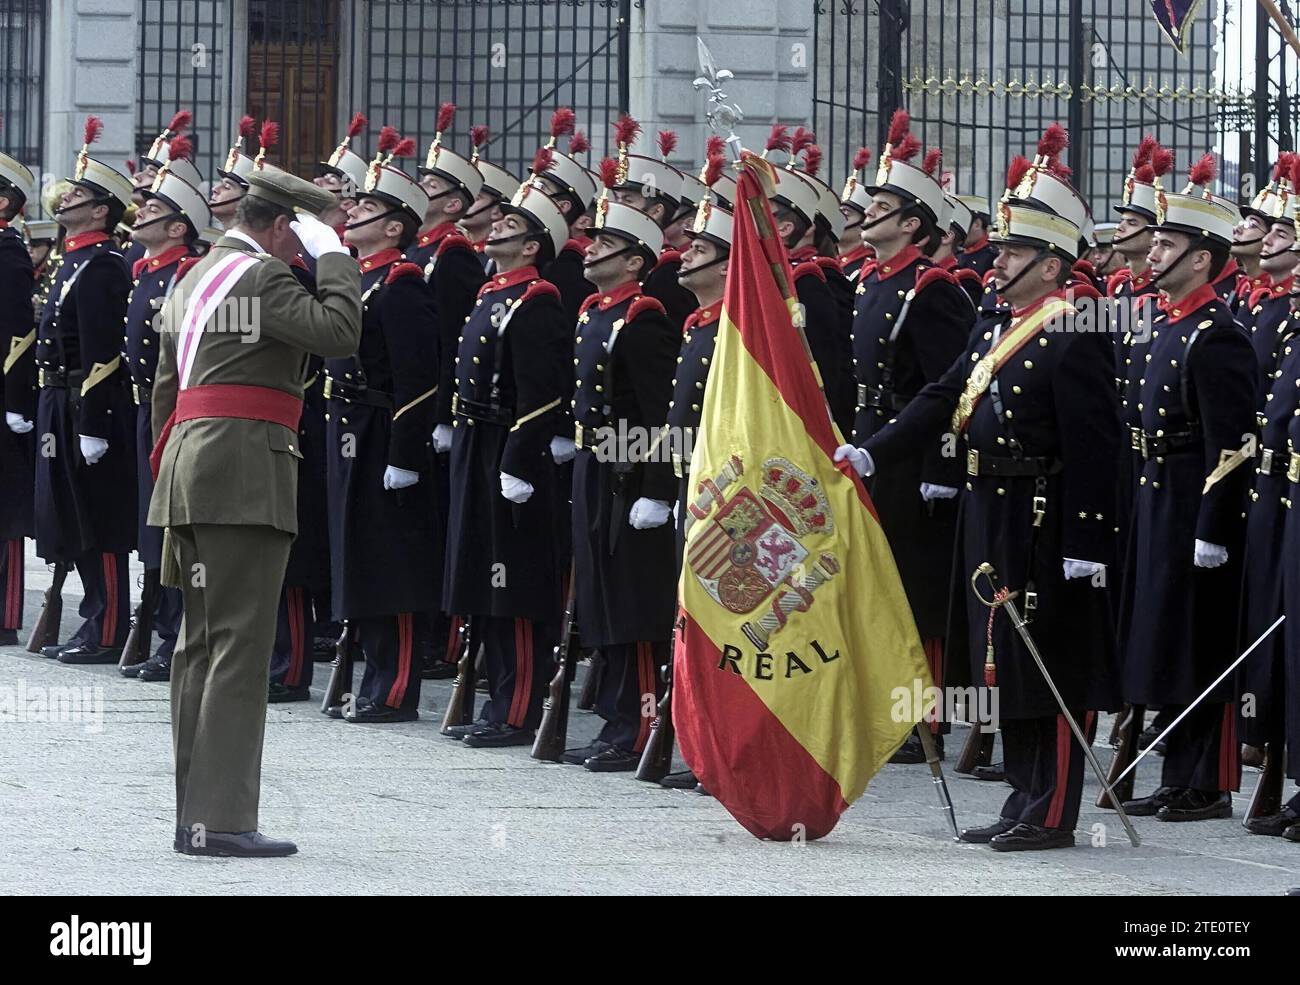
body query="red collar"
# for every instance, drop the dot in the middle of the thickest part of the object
(803, 253)
(1282, 287)
(341, 228)
(947, 263)
(381, 259)
(478, 246)
(1230, 269)
(164, 259)
(1259, 280)
(704, 316)
(1199, 298)
(577, 243)
(862, 252)
(299, 262)
(907, 256)
(1138, 281)
(499, 282)
(4, 223)
(436, 234)
(977, 246)
(84, 239)
(623, 292)
(1034, 305)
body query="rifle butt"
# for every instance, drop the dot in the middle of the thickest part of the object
(1125, 753)
(340, 682)
(591, 683)
(136, 649)
(46, 631)
(977, 750)
(657, 757)
(1266, 798)
(553, 732)
(460, 706)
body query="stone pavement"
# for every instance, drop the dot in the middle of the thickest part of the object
(88, 809)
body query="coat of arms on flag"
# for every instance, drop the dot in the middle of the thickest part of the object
(1175, 18)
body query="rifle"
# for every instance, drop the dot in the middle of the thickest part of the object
(553, 731)
(136, 649)
(1266, 798)
(591, 683)
(339, 688)
(46, 631)
(460, 706)
(657, 757)
(1116, 726)
(1125, 752)
(978, 750)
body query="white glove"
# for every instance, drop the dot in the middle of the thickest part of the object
(648, 513)
(92, 449)
(563, 449)
(442, 438)
(677, 511)
(931, 492)
(395, 478)
(514, 489)
(1080, 569)
(316, 237)
(17, 423)
(1210, 555)
(859, 458)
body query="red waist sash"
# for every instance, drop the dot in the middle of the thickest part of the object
(249, 403)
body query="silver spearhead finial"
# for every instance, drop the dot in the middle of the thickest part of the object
(722, 116)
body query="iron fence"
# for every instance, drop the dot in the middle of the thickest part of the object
(22, 87)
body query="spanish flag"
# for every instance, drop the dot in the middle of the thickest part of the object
(794, 631)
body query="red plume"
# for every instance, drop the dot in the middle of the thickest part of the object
(543, 159)
(907, 149)
(94, 127)
(1295, 171)
(478, 134)
(446, 112)
(562, 121)
(269, 136)
(609, 172)
(180, 149)
(802, 138)
(405, 147)
(389, 138)
(1282, 166)
(578, 143)
(130, 165)
(1018, 168)
(713, 169)
(667, 142)
(180, 121)
(714, 145)
(1203, 171)
(933, 157)
(898, 124)
(1143, 154)
(247, 127)
(861, 159)
(1162, 161)
(1054, 140)
(358, 124)
(812, 160)
(778, 139)
(1059, 170)
(1145, 173)
(626, 130)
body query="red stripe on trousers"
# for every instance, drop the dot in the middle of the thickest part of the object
(1228, 751)
(14, 595)
(523, 673)
(453, 642)
(296, 627)
(646, 678)
(512, 717)
(108, 631)
(398, 690)
(934, 657)
(1064, 737)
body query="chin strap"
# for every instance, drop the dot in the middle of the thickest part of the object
(1194, 244)
(587, 265)
(1039, 257)
(376, 218)
(705, 266)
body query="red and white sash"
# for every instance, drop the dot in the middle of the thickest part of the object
(212, 289)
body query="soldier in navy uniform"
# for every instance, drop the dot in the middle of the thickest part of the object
(499, 186)
(1137, 212)
(854, 202)
(86, 486)
(959, 218)
(166, 226)
(1248, 235)
(17, 442)
(622, 497)
(503, 562)
(573, 188)
(1267, 310)
(977, 252)
(911, 319)
(1036, 409)
(226, 194)
(160, 153)
(342, 175)
(1178, 618)
(385, 541)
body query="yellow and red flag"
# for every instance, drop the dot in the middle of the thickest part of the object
(795, 632)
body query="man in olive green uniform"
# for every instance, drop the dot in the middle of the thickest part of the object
(226, 403)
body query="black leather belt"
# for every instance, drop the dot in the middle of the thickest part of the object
(339, 390)
(1151, 446)
(871, 396)
(141, 394)
(478, 410)
(1273, 462)
(66, 379)
(588, 436)
(978, 463)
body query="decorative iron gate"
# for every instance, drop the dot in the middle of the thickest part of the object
(22, 86)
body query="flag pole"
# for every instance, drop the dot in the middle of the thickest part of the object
(1282, 23)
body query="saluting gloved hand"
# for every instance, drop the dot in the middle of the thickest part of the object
(317, 238)
(395, 478)
(442, 438)
(648, 513)
(92, 449)
(17, 423)
(930, 492)
(1210, 555)
(563, 449)
(1080, 569)
(515, 489)
(859, 458)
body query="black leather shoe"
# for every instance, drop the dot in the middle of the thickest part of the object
(54, 650)
(497, 735)
(578, 756)
(90, 653)
(993, 772)
(241, 844)
(280, 693)
(1148, 736)
(336, 711)
(1273, 824)
(1149, 806)
(1292, 833)
(438, 670)
(685, 780)
(1197, 805)
(460, 731)
(912, 752)
(156, 668)
(1031, 838)
(378, 714)
(982, 836)
(615, 759)
(8, 637)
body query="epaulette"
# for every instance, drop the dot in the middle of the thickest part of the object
(575, 245)
(809, 267)
(668, 256)
(590, 300)
(1118, 279)
(829, 263)
(403, 270)
(452, 240)
(183, 266)
(643, 304)
(965, 273)
(1084, 289)
(933, 275)
(539, 289)
(1085, 267)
